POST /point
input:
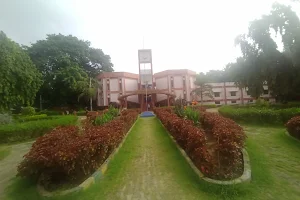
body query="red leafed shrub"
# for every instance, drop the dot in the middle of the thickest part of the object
(190, 138)
(64, 154)
(229, 137)
(293, 127)
(216, 150)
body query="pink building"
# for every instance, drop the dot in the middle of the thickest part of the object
(180, 83)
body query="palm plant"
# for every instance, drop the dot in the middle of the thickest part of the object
(90, 90)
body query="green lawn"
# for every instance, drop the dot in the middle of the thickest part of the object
(4, 151)
(149, 165)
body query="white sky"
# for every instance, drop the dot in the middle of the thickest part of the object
(197, 35)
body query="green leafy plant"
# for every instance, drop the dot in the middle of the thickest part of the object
(28, 110)
(192, 114)
(107, 116)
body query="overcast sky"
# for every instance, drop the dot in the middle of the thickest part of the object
(196, 35)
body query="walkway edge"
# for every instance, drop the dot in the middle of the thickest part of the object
(95, 177)
(246, 176)
(290, 136)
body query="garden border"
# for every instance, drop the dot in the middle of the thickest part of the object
(95, 177)
(290, 136)
(246, 176)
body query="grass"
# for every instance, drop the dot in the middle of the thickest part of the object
(4, 151)
(274, 161)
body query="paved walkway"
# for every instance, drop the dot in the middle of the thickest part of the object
(148, 166)
(8, 166)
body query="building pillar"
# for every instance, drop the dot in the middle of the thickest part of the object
(225, 96)
(242, 96)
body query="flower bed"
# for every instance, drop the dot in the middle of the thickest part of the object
(293, 127)
(65, 156)
(223, 160)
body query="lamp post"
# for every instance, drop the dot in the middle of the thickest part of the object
(146, 95)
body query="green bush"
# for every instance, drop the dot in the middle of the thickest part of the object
(259, 115)
(192, 114)
(32, 129)
(5, 118)
(31, 118)
(28, 110)
(106, 117)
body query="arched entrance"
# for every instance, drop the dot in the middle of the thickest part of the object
(146, 98)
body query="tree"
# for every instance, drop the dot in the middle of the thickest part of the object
(262, 61)
(19, 78)
(202, 89)
(55, 55)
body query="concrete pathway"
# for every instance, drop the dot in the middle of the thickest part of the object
(213, 110)
(148, 166)
(8, 166)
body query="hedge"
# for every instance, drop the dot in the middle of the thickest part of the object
(23, 131)
(66, 156)
(21, 118)
(258, 115)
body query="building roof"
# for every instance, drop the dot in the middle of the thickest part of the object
(117, 75)
(174, 72)
(136, 76)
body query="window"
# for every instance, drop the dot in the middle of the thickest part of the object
(217, 94)
(251, 101)
(120, 84)
(266, 91)
(172, 83)
(217, 102)
(184, 96)
(233, 101)
(108, 100)
(233, 94)
(107, 86)
(248, 93)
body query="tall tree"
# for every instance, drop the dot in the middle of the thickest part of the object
(19, 78)
(203, 89)
(263, 62)
(64, 55)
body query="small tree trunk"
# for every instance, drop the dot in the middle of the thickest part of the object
(201, 96)
(91, 99)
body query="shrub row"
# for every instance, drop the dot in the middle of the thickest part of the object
(64, 154)
(20, 118)
(225, 160)
(189, 137)
(259, 115)
(293, 127)
(229, 138)
(32, 129)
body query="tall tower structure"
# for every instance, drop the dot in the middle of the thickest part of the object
(145, 68)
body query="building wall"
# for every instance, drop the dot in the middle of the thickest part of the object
(129, 83)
